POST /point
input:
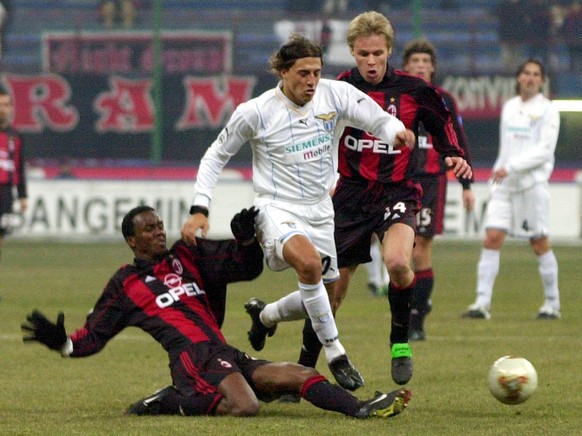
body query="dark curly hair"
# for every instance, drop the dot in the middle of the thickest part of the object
(297, 47)
(127, 225)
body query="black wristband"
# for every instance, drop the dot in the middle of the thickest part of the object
(199, 209)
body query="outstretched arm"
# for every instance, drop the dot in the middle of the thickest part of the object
(197, 221)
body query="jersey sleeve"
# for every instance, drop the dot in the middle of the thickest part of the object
(225, 261)
(362, 112)
(437, 120)
(21, 186)
(106, 320)
(235, 134)
(457, 121)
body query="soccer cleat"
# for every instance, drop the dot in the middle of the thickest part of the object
(474, 311)
(258, 332)
(374, 289)
(382, 291)
(547, 312)
(416, 335)
(385, 405)
(347, 376)
(378, 290)
(290, 398)
(401, 363)
(150, 405)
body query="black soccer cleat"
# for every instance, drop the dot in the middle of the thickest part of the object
(385, 405)
(401, 363)
(150, 405)
(258, 332)
(347, 376)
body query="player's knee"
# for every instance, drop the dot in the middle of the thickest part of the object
(249, 407)
(298, 374)
(309, 269)
(397, 266)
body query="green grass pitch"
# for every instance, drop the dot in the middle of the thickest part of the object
(41, 393)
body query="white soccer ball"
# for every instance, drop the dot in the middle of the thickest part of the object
(512, 379)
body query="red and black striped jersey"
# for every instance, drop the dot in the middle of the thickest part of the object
(179, 299)
(413, 101)
(12, 161)
(425, 159)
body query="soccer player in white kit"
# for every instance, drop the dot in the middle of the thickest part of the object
(519, 202)
(291, 129)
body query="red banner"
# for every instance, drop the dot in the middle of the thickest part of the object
(105, 53)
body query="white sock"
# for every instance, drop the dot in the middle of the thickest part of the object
(316, 302)
(487, 270)
(376, 266)
(548, 268)
(288, 308)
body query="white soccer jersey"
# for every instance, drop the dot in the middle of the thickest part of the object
(294, 151)
(528, 136)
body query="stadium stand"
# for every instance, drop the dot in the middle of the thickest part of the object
(466, 36)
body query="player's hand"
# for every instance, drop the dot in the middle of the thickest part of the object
(243, 224)
(499, 174)
(196, 222)
(40, 329)
(459, 166)
(405, 138)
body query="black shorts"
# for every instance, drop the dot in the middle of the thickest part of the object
(6, 201)
(202, 367)
(362, 209)
(430, 218)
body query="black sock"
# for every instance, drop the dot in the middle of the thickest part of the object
(321, 393)
(421, 305)
(400, 305)
(172, 402)
(311, 347)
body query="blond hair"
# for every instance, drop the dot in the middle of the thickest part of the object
(370, 23)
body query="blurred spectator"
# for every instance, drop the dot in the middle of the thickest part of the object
(4, 21)
(572, 33)
(303, 6)
(66, 170)
(337, 7)
(539, 29)
(512, 30)
(449, 5)
(12, 174)
(113, 11)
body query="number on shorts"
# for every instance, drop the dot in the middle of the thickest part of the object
(398, 207)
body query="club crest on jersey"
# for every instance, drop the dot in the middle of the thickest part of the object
(177, 266)
(392, 110)
(328, 120)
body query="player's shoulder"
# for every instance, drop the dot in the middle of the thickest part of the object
(258, 101)
(512, 102)
(405, 78)
(331, 84)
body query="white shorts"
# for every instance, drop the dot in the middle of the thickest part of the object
(523, 214)
(278, 221)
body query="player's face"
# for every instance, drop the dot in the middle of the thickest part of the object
(530, 80)
(420, 64)
(6, 109)
(371, 55)
(300, 81)
(149, 239)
